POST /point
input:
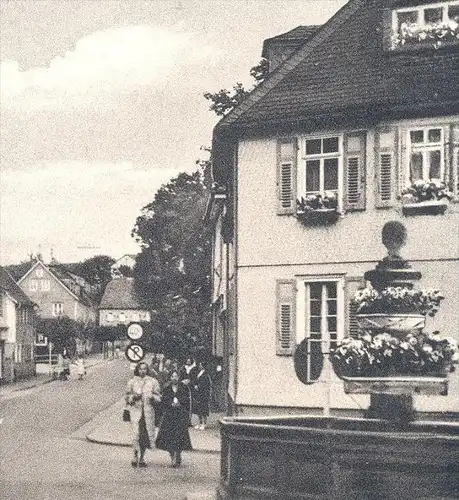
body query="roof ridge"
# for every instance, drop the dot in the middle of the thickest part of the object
(292, 62)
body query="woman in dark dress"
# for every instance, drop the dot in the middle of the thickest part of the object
(173, 435)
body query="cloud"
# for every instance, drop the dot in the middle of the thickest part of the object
(104, 64)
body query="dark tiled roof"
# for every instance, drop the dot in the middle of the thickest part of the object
(120, 294)
(300, 33)
(345, 67)
(17, 271)
(8, 284)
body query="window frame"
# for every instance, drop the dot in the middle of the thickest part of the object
(420, 9)
(424, 148)
(33, 285)
(45, 285)
(302, 316)
(304, 158)
(57, 311)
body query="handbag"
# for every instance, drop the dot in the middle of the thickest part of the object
(126, 415)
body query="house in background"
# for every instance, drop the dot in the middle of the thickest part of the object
(119, 304)
(57, 292)
(17, 331)
(353, 114)
(124, 263)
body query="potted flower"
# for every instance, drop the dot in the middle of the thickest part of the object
(395, 309)
(385, 358)
(436, 34)
(426, 198)
(316, 209)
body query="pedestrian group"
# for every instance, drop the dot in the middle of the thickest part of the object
(160, 401)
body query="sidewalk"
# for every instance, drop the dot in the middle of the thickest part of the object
(108, 428)
(42, 378)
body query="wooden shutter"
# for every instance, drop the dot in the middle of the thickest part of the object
(352, 285)
(386, 167)
(454, 161)
(286, 175)
(286, 317)
(354, 171)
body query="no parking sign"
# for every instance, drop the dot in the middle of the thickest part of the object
(134, 353)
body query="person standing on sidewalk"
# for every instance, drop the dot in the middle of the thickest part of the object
(81, 369)
(142, 393)
(173, 435)
(202, 386)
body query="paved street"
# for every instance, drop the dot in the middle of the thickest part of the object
(44, 454)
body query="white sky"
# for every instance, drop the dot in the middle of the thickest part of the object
(101, 103)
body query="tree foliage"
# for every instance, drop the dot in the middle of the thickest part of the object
(225, 100)
(96, 271)
(172, 270)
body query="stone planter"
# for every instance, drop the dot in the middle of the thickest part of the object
(397, 324)
(318, 217)
(431, 385)
(431, 207)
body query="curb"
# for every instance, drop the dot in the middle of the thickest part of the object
(95, 440)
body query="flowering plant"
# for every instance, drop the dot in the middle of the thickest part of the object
(384, 355)
(397, 300)
(328, 199)
(437, 33)
(427, 190)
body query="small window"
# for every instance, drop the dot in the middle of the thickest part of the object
(33, 285)
(425, 154)
(39, 272)
(45, 285)
(109, 316)
(57, 309)
(122, 317)
(135, 316)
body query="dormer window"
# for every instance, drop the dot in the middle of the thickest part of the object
(433, 24)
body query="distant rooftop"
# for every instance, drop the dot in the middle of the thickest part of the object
(120, 294)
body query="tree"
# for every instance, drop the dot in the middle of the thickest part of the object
(62, 332)
(225, 100)
(97, 272)
(172, 270)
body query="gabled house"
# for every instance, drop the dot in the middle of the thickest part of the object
(127, 261)
(57, 292)
(307, 170)
(120, 305)
(17, 331)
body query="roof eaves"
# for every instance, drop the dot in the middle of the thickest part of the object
(292, 62)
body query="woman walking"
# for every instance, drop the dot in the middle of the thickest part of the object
(173, 435)
(142, 393)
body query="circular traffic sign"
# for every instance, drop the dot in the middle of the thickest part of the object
(134, 353)
(134, 331)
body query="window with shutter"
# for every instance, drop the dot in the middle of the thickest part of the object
(286, 175)
(352, 285)
(354, 172)
(386, 167)
(286, 302)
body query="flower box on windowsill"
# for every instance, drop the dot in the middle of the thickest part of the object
(318, 216)
(396, 324)
(435, 384)
(431, 207)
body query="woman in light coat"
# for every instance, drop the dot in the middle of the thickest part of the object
(142, 393)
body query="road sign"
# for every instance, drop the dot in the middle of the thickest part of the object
(134, 331)
(134, 353)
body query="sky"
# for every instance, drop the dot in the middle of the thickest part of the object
(102, 103)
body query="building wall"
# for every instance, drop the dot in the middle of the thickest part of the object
(272, 247)
(45, 298)
(130, 316)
